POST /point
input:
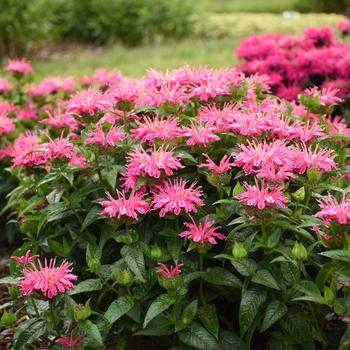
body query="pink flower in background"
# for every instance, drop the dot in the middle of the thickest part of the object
(127, 90)
(108, 139)
(60, 120)
(71, 342)
(202, 233)
(202, 134)
(6, 124)
(333, 210)
(90, 101)
(4, 86)
(149, 130)
(7, 107)
(78, 160)
(262, 196)
(18, 67)
(224, 166)
(169, 272)
(26, 259)
(49, 279)
(131, 207)
(344, 27)
(27, 113)
(174, 197)
(165, 94)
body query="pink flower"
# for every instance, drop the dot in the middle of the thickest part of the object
(305, 158)
(332, 210)
(71, 342)
(165, 94)
(224, 166)
(48, 279)
(109, 139)
(150, 130)
(6, 124)
(78, 160)
(171, 272)
(59, 149)
(4, 86)
(59, 119)
(221, 118)
(160, 161)
(127, 90)
(202, 134)
(26, 259)
(344, 27)
(27, 113)
(18, 67)
(173, 197)
(90, 101)
(202, 233)
(263, 196)
(132, 206)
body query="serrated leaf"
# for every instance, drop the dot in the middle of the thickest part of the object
(248, 308)
(27, 333)
(91, 331)
(246, 267)
(209, 318)
(337, 254)
(118, 308)
(90, 285)
(163, 302)
(133, 257)
(265, 278)
(222, 277)
(274, 312)
(92, 216)
(197, 336)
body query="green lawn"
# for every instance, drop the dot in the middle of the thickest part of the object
(134, 61)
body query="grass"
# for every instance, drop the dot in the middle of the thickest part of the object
(134, 62)
(225, 6)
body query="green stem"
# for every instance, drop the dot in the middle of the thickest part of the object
(201, 268)
(53, 319)
(35, 308)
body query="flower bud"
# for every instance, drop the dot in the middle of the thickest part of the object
(299, 251)
(14, 291)
(94, 264)
(172, 284)
(156, 252)
(299, 195)
(82, 312)
(124, 277)
(8, 319)
(239, 252)
(314, 175)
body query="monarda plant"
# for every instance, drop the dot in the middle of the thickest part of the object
(186, 210)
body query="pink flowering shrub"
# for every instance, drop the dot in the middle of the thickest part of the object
(187, 209)
(295, 62)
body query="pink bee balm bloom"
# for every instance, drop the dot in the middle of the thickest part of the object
(263, 196)
(202, 134)
(90, 101)
(18, 67)
(149, 130)
(6, 124)
(71, 342)
(202, 233)
(26, 259)
(344, 27)
(59, 119)
(48, 279)
(127, 90)
(169, 272)
(141, 163)
(78, 160)
(132, 206)
(4, 86)
(59, 149)
(224, 166)
(109, 139)
(173, 197)
(332, 210)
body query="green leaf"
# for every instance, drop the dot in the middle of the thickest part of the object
(222, 277)
(92, 216)
(133, 257)
(198, 337)
(10, 280)
(118, 308)
(89, 285)
(92, 332)
(246, 268)
(189, 312)
(174, 245)
(230, 341)
(265, 278)
(209, 318)
(27, 332)
(345, 340)
(163, 302)
(336, 254)
(274, 312)
(248, 308)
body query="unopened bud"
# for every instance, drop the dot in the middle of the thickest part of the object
(239, 252)
(8, 319)
(299, 251)
(82, 312)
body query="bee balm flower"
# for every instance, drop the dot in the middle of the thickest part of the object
(169, 272)
(26, 259)
(71, 342)
(18, 67)
(332, 210)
